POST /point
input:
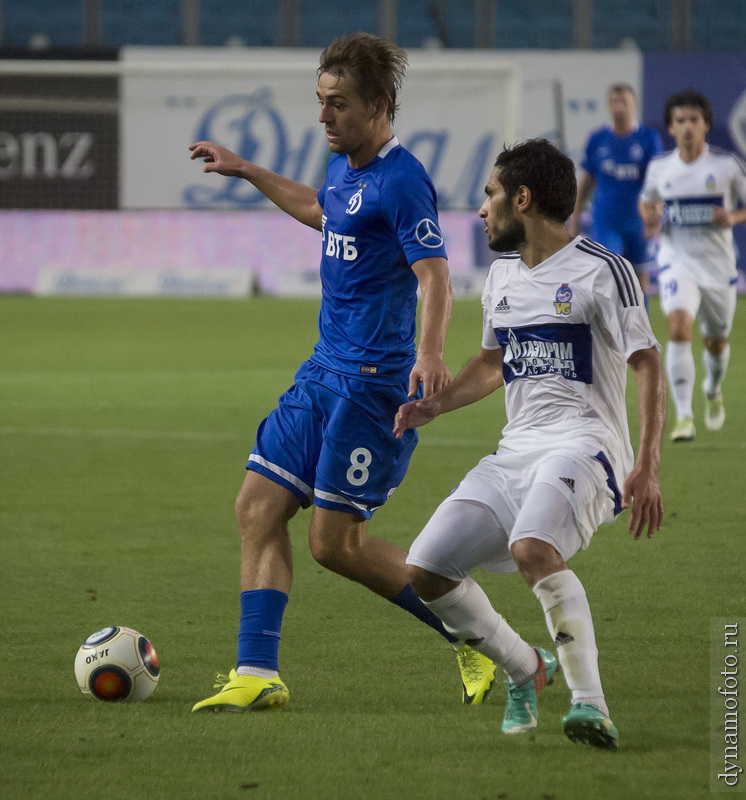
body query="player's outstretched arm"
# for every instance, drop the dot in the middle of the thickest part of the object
(642, 488)
(586, 185)
(728, 219)
(481, 376)
(435, 315)
(296, 199)
(651, 212)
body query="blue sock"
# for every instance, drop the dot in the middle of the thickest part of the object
(259, 629)
(408, 600)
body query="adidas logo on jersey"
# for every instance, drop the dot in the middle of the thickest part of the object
(570, 483)
(503, 305)
(563, 638)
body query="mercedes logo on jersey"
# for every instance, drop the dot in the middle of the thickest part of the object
(428, 234)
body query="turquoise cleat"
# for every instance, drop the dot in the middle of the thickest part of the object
(587, 724)
(521, 712)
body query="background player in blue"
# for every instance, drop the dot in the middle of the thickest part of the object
(614, 164)
(329, 442)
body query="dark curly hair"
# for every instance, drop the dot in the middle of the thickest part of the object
(546, 171)
(688, 99)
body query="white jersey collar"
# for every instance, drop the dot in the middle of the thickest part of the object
(388, 147)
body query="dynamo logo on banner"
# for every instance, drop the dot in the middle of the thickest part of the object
(252, 126)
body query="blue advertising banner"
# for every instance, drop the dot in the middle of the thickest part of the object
(722, 78)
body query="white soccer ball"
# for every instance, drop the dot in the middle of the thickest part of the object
(117, 664)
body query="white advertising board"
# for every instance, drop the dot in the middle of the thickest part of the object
(455, 114)
(458, 108)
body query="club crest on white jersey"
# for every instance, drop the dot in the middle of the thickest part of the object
(562, 300)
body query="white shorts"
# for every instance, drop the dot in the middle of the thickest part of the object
(559, 498)
(715, 307)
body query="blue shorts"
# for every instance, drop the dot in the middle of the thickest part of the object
(330, 441)
(631, 244)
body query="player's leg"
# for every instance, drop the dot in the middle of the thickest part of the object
(546, 534)
(359, 466)
(463, 534)
(716, 317)
(340, 542)
(680, 299)
(680, 371)
(263, 510)
(277, 484)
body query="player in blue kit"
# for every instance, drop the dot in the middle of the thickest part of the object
(616, 157)
(329, 443)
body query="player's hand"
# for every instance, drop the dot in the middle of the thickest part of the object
(217, 159)
(431, 372)
(722, 218)
(415, 415)
(643, 493)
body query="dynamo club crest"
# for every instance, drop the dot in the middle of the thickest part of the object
(562, 300)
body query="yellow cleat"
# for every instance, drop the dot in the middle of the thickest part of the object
(477, 675)
(245, 693)
(683, 430)
(714, 412)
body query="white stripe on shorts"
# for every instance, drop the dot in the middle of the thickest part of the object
(282, 473)
(337, 498)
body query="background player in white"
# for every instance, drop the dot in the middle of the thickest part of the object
(613, 168)
(329, 442)
(694, 191)
(563, 317)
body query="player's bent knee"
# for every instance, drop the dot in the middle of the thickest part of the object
(715, 346)
(536, 559)
(258, 512)
(334, 555)
(427, 585)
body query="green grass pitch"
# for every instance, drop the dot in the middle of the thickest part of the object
(124, 428)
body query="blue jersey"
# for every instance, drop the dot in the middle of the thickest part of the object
(618, 164)
(377, 221)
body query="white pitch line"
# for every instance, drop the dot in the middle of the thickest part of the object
(206, 436)
(131, 433)
(111, 433)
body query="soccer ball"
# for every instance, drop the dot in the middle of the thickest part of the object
(117, 664)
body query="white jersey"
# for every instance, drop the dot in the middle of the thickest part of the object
(690, 192)
(566, 329)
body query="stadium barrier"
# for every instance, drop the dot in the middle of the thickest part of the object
(95, 173)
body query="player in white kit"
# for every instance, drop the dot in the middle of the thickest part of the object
(693, 192)
(563, 317)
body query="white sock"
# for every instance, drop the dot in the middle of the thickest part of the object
(258, 672)
(568, 618)
(680, 371)
(715, 369)
(467, 613)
